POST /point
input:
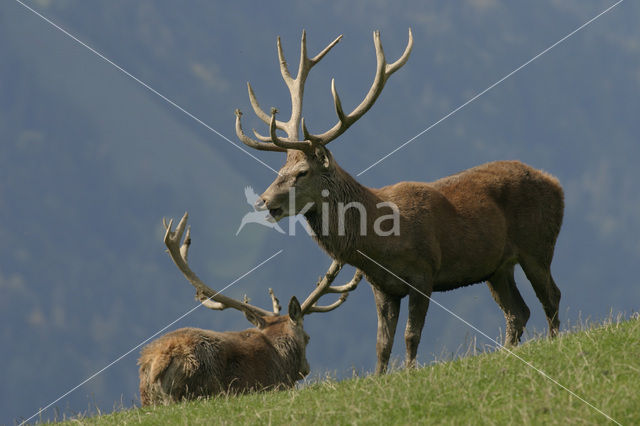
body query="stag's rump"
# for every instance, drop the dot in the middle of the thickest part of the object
(503, 210)
(530, 200)
(181, 364)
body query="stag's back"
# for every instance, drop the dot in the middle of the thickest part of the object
(519, 190)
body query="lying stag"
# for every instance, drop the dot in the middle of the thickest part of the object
(467, 228)
(190, 362)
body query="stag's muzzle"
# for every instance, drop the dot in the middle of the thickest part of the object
(260, 205)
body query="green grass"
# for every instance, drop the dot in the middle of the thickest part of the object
(600, 364)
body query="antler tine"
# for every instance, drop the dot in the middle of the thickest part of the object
(259, 111)
(328, 308)
(261, 137)
(275, 302)
(251, 142)
(344, 293)
(280, 140)
(184, 248)
(326, 50)
(208, 297)
(285, 142)
(300, 145)
(350, 286)
(284, 69)
(383, 72)
(336, 102)
(391, 68)
(305, 64)
(321, 286)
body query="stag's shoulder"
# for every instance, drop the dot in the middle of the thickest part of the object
(407, 189)
(411, 196)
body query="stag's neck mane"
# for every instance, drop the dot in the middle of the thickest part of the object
(342, 243)
(289, 351)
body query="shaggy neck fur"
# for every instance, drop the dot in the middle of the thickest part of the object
(291, 355)
(343, 189)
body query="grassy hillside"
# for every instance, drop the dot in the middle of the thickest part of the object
(600, 364)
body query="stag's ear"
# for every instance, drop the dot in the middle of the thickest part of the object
(323, 156)
(295, 311)
(255, 319)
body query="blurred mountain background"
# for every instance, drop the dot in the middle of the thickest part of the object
(90, 162)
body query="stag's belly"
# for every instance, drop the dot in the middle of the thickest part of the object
(473, 260)
(450, 278)
(452, 283)
(473, 249)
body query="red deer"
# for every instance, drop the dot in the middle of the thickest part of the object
(464, 229)
(190, 362)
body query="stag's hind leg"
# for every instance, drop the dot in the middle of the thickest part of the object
(539, 274)
(505, 293)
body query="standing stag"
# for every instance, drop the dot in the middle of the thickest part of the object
(190, 362)
(463, 229)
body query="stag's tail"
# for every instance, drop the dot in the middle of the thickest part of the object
(543, 212)
(153, 363)
(551, 213)
(149, 391)
(555, 202)
(534, 202)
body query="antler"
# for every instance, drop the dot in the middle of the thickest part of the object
(208, 297)
(383, 72)
(296, 89)
(324, 287)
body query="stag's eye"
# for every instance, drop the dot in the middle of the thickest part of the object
(301, 173)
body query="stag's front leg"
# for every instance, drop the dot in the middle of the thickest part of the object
(418, 305)
(388, 308)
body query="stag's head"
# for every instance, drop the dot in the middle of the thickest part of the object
(299, 183)
(310, 167)
(284, 327)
